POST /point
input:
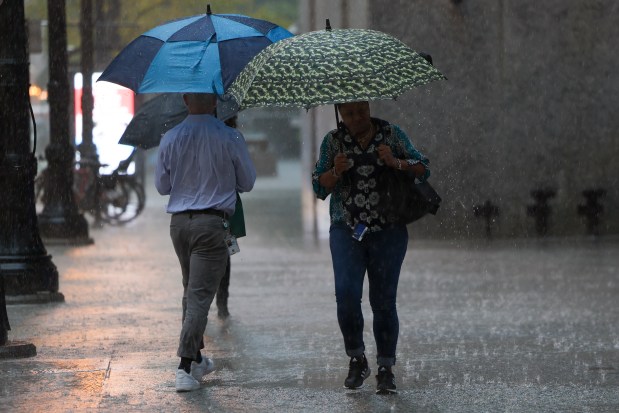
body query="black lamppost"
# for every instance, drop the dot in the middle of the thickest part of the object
(87, 148)
(60, 220)
(25, 266)
(24, 263)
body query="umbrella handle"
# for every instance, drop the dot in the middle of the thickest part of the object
(337, 117)
(338, 126)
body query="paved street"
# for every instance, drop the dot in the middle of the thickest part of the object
(514, 326)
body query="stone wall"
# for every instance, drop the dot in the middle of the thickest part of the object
(530, 103)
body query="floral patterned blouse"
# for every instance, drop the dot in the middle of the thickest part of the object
(355, 197)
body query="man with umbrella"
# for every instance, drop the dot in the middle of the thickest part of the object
(201, 164)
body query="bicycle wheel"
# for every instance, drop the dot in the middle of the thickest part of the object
(123, 202)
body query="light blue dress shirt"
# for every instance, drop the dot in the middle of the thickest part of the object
(202, 163)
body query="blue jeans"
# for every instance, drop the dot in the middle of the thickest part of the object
(381, 254)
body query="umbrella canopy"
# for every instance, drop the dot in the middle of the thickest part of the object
(160, 114)
(331, 66)
(154, 118)
(201, 54)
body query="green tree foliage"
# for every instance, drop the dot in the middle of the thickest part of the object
(137, 16)
(37, 10)
(148, 13)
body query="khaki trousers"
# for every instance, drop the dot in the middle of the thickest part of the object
(198, 241)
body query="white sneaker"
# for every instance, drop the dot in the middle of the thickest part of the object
(199, 370)
(185, 382)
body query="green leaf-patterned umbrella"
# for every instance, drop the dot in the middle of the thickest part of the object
(329, 67)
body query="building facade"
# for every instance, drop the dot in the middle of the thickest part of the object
(527, 114)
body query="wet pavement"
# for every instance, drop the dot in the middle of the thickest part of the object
(516, 326)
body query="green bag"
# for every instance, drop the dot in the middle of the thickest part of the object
(237, 220)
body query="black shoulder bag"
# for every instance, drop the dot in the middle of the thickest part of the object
(404, 200)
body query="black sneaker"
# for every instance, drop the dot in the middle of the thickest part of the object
(385, 381)
(358, 370)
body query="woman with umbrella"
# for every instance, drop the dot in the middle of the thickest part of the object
(349, 67)
(351, 161)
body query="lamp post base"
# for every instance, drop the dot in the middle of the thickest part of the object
(17, 349)
(60, 218)
(41, 297)
(28, 274)
(62, 230)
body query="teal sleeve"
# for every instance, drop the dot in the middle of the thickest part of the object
(324, 163)
(406, 150)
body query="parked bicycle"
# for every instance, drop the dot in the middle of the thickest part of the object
(115, 198)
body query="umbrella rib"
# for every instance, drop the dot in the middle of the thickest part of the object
(204, 47)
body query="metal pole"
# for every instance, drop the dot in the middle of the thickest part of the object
(60, 221)
(312, 137)
(87, 148)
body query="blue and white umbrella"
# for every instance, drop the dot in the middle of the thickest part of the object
(200, 54)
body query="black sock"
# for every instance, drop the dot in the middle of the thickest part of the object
(185, 364)
(199, 357)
